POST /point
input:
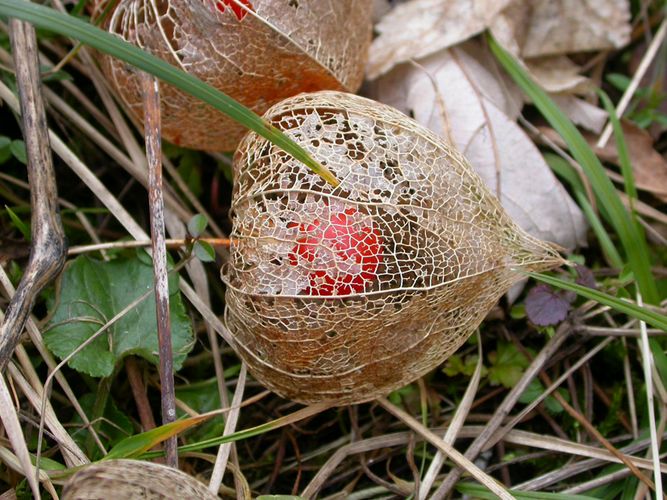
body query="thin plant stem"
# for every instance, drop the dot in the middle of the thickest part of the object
(170, 243)
(152, 132)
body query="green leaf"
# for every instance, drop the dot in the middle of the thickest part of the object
(5, 152)
(20, 225)
(17, 147)
(621, 82)
(115, 427)
(202, 397)
(190, 169)
(455, 365)
(507, 365)
(621, 147)
(91, 293)
(535, 390)
(197, 225)
(70, 26)
(204, 251)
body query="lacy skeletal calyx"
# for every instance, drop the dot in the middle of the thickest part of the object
(344, 294)
(257, 51)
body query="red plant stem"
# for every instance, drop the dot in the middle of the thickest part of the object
(134, 376)
(152, 132)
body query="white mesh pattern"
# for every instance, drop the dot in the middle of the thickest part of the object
(344, 294)
(284, 47)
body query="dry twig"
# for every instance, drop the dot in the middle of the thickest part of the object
(48, 251)
(161, 275)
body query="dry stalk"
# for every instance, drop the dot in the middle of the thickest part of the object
(505, 407)
(161, 274)
(48, 250)
(596, 434)
(447, 449)
(12, 426)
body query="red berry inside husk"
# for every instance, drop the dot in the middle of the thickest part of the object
(238, 11)
(341, 255)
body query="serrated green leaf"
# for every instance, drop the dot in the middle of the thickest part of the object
(455, 365)
(204, 251)
(94, 291)
(535, 390)
(507, 365)
(17, 147)
(197, 225)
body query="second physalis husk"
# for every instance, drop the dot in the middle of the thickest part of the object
(256, 51)
(343, 294)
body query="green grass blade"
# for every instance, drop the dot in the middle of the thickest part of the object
(478, 491)
(134, 446)
(621, 147)
(19, 224)
(601, 233)
(63, 24)
(641, 313)
(633, 241)
(565, 170)
(296, 416)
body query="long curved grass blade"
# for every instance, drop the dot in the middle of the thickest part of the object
(478, 491)
(134, 446)
(305, 412)
(565, 170)
(633, 240)
(63, 24)
(621, 147)
(641, 313)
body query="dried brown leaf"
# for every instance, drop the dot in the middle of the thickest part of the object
(458, 97)
(558, 74)
(581, 112)
(539, 28)
(421, 27)
(649, 166)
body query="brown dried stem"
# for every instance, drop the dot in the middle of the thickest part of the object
(48, 250)
(135, 377)
(590, 428)
(161, 277)
(446, 448)
(171, 243)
